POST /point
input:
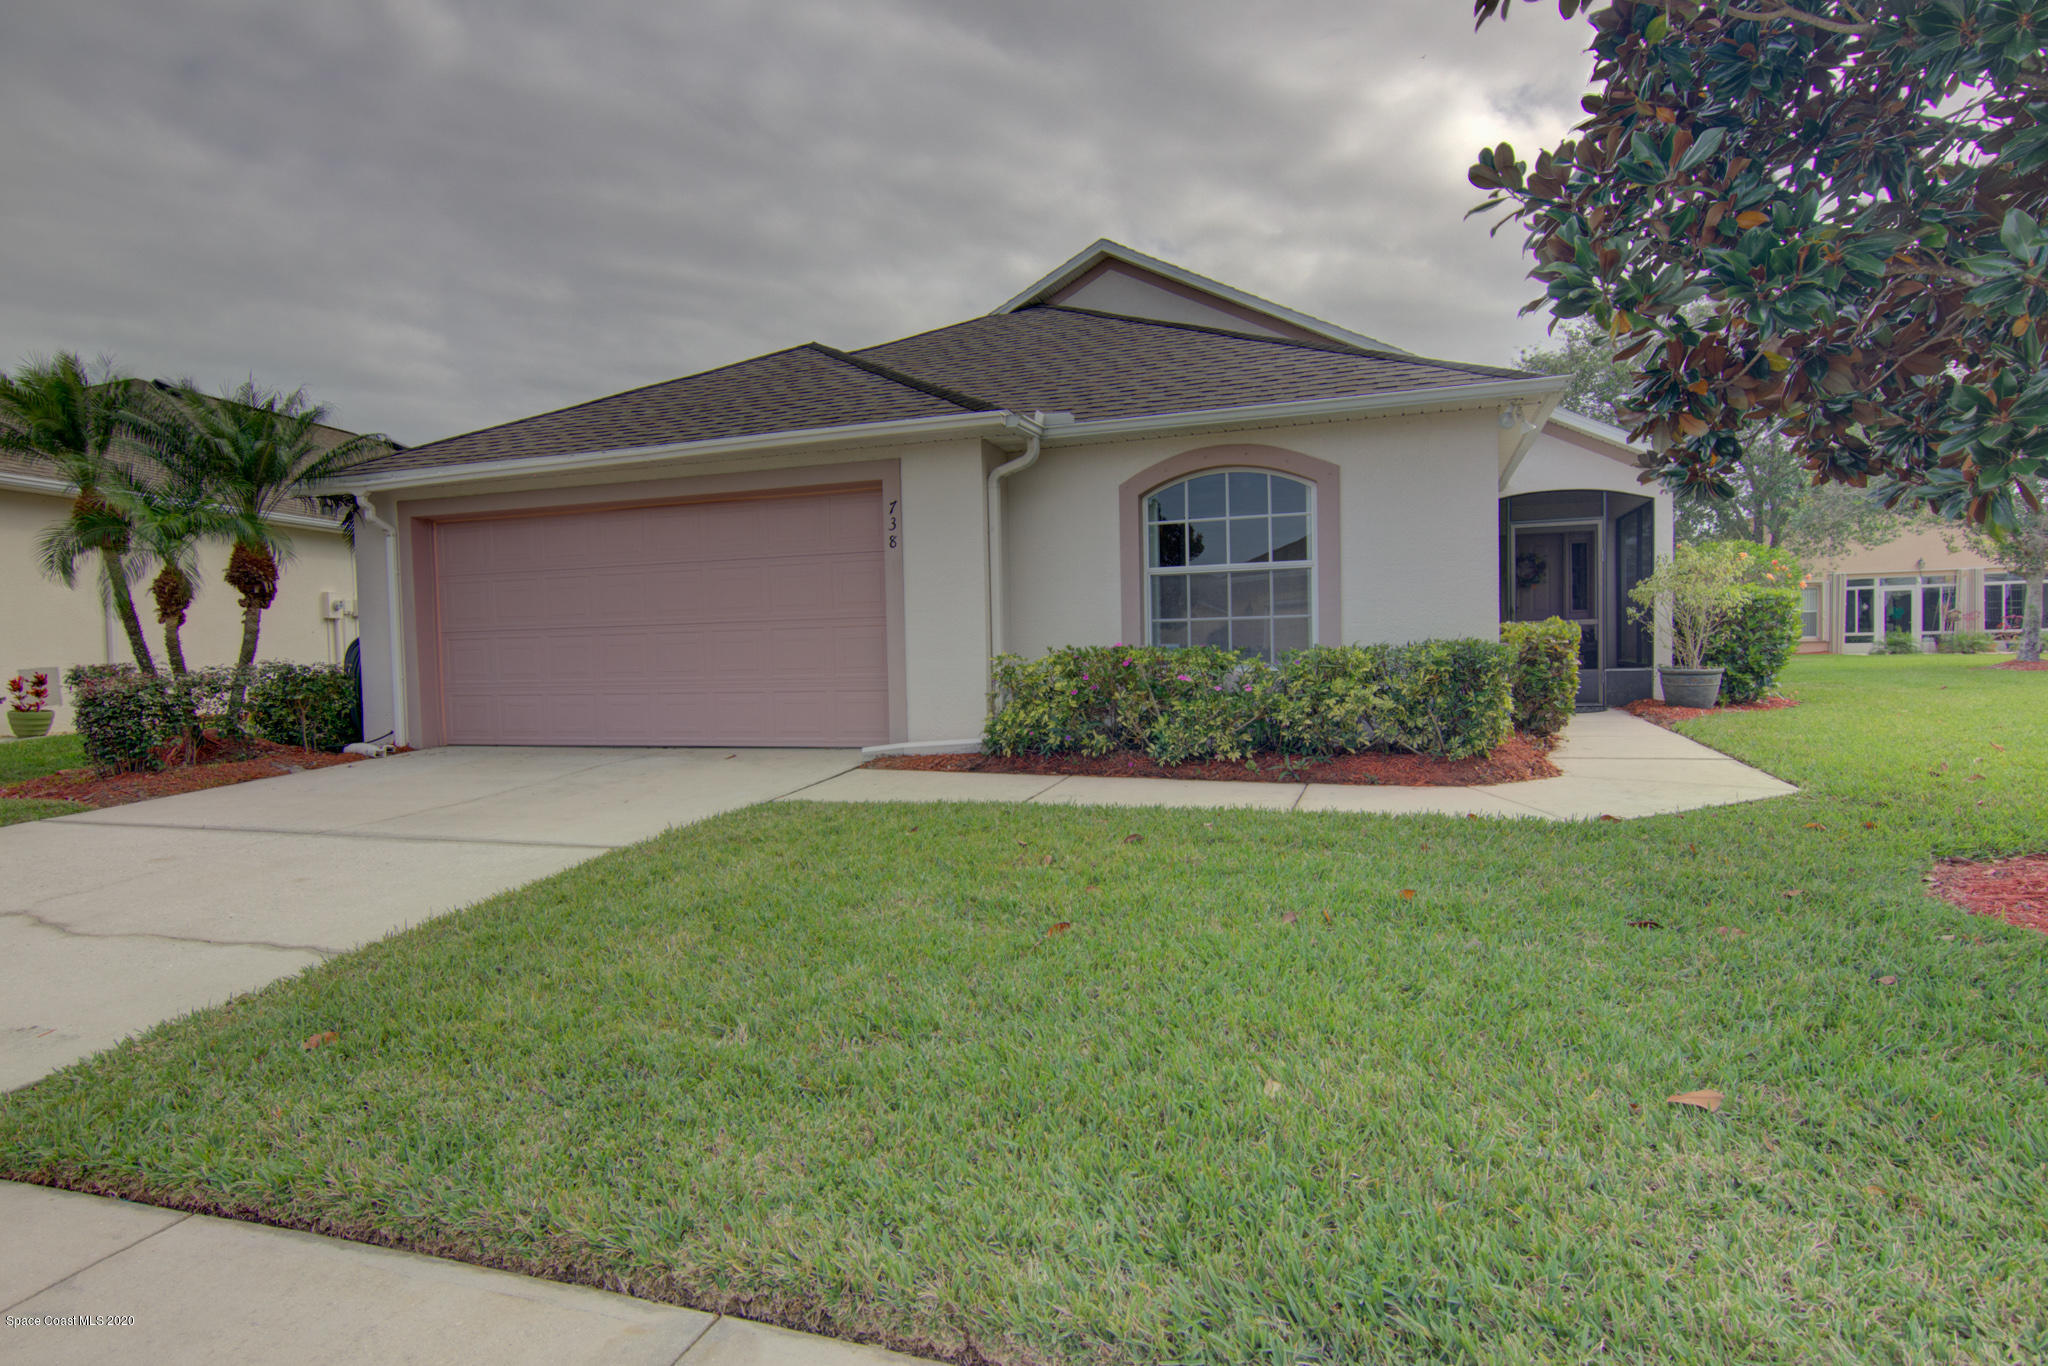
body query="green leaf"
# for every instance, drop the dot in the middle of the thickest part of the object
(2017, 232)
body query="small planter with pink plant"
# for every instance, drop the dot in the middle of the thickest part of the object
(28, 705)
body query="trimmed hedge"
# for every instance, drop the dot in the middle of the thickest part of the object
(1754, 644)
(1546, 672)
(1442, 698)
(126, 720)
(311, 705)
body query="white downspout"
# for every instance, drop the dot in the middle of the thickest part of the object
(398, 728)
(997, 635)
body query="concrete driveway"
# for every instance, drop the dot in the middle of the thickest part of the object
(114, 920)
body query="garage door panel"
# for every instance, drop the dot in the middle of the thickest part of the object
(741, 622)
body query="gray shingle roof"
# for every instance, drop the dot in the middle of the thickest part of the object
(1051, 358)
(1102, 365)
(804, 387)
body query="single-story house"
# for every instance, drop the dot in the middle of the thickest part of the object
(825, 547)
(1918, 583)
(47, 628)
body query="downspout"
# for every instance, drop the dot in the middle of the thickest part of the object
(997, 634)
(363, 506)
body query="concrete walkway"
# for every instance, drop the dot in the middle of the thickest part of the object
(188, 1290)
(1612, 764)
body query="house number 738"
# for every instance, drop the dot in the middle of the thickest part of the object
(895, 536)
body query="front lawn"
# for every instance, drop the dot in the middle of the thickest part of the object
(1133, 1086)
(23, 759)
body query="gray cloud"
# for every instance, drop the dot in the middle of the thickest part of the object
(439, 215)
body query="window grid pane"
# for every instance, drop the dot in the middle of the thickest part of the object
(1208, 540)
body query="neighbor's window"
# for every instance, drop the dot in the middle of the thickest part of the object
(1230, 561)
(1809, 612)
(2005, 603)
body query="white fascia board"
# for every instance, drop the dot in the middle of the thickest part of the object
(1441, 399)
(1599, 431)
(853, 435)
(61, 488)
(1104, 249)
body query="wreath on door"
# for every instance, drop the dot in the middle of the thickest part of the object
(1530, 569)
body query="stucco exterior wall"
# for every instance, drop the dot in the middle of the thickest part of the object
(1417, 521)
(45, 625)
(1560, 460)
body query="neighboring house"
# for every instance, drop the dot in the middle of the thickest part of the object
(1916, 584)
(821, 547)
(45, 626)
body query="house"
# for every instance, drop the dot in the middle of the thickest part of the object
(1916, 583)
(824, 547)
(47, 628)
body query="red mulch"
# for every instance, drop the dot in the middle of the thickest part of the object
(2024, 667)
(1520, 759)
(220, 763)
(1665, 715)
(2013, 889)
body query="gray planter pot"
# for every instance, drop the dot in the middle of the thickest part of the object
(1691, 687)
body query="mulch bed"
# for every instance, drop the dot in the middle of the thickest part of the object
(2013, 889)
(1665, 715)
(1519, 760)
(2024, 667)
(220, 763)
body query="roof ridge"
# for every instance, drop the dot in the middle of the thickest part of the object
(909, 381)
(607, 398)
(1336, 347)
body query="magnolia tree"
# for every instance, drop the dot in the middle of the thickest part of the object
(1822, 217)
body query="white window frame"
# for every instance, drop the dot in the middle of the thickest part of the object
(1152, 572)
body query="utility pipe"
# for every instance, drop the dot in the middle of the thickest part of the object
(996, 612)
(363, 506)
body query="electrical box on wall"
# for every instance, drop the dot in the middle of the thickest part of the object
(334, 607)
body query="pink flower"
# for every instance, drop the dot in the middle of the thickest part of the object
(1184, 678)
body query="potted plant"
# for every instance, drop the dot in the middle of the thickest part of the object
(28, 705)
(1700, 587)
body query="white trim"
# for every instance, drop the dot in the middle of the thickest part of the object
(1600, 431)
(922, 747)
(1056, 428)
(853, 434)
(1103, 249)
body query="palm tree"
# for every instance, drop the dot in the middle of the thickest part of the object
(170, 517)
(257, 451)
(58, 412)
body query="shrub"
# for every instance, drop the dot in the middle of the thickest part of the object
(1448, 699)
(129, 721)
(1897, 643)
(1765, 567)
(1755, 642)
(125, 720)
(310, 705)
(1444, 698)
(1965, 643)
(1546, 672)
(1698, 587)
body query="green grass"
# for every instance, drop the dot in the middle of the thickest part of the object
(24, 759)
(827, 1065)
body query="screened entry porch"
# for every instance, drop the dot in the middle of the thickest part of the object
(1575, 553)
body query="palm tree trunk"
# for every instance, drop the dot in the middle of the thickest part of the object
(124, 607)
(245, 663)
(174, 651)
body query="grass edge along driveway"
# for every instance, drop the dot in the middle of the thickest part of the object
(839, 1067)
(32, 758)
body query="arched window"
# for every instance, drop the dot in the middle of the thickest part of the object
(1230, 561)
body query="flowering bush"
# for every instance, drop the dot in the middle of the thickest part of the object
(1445, 698)
(1699, 586)
(28, 692)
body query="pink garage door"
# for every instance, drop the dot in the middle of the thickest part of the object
(757, 622)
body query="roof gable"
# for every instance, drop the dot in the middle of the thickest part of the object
(1110, 277)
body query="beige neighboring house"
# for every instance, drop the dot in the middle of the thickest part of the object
(820, 547)
(45, 626)
(1916, 584)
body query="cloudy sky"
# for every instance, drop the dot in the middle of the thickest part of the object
(440, 215)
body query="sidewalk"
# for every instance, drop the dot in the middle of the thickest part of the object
(201, 1290)
(1612, 764)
